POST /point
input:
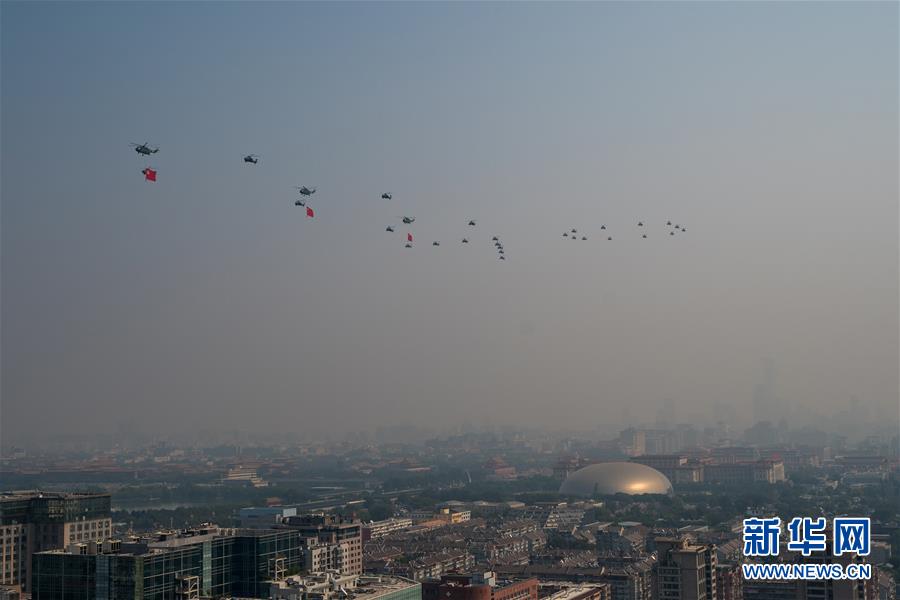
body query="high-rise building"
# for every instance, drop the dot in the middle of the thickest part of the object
(341, 540)
(37, 521)
(209, 562)
(684, 571)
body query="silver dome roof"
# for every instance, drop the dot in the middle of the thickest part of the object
(603, 479)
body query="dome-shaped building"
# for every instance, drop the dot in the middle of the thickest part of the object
(604, 479)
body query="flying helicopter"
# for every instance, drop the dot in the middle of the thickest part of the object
(644, 236)
(390, 229)
(300, 203)
(669, 223)
(502, 257)
(566, 234)
(584, 238)
(386, 196)
(408, 245)
(144, 149)
(495, 239)
(305, 191)
(408, 220)
(671, 233)
(640, 223)
(251, 158)
(609, 239)
(435, 243)
(603, 227)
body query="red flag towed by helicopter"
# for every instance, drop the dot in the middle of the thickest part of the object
(408, 237)
(149, 174)
(310, 213)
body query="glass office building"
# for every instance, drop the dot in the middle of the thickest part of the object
(237, 563)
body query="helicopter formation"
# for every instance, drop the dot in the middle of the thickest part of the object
(573, 233)
(306, 193)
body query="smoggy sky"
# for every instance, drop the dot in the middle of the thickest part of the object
(769, 130)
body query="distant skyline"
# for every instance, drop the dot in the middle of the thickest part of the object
(208, 300)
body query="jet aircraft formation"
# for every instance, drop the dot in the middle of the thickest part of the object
(306, 193)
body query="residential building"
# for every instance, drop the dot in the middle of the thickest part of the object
(338, 543)
(684, 571)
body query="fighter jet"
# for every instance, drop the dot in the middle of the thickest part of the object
(495, 239)
(574, 231)
(644, 236)
(669, 223)
(566, 234)
(609, 239)
(435, 243)
(671, 233)
(472, 223)
(502, 257)
(465, 241)
(144, 149)
(603, 227)
(390, 229)
(583, 238)
(640, 223)
(408, 245)
(386, 196)
(251, 158)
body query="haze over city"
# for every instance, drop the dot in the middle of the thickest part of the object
(206, 300)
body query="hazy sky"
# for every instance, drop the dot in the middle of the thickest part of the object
(769, 130)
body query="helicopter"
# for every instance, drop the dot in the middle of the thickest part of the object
(435, 243)
(305, 191)
(251, 158)
(386, 196)
(299, 203)
(389, 229)
(408, 220)
(144, 149)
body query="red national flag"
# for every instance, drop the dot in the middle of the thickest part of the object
(408, 237)
(310, 213)
(149, 174)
